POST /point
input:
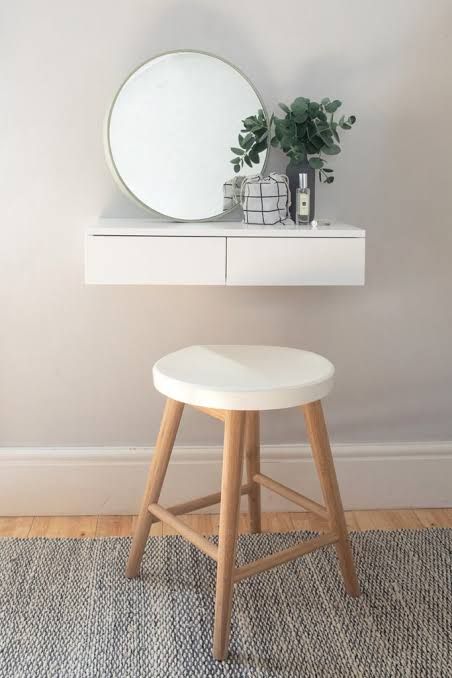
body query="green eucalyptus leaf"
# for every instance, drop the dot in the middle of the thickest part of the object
(313, 107)
(327, 139)
(333, 106)
(300, 105)
(241, 139)
(336, 136)
(235, 161)
(236, 168)
(301, 132)
(285, 142)
(237, 151)
(330, 180)
(352, 119)
(325, 131)
(318, 142)
(248, 161)
(311, 128)
(254, 156)
(248, 142)
(331, 150)
(316, 163)
(282, 123)
(300, 117)
(286, 145)
(325, 101)
(285, 108)
(327, 169)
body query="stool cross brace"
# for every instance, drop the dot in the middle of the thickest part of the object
(241, 440)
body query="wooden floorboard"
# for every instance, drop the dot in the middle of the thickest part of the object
(387, 520)
(15, 527)
(434, 517)
(277, 522)
(63, 526)
(115, 526)
(122, 526)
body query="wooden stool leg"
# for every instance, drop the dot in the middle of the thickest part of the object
(318, 437)
(252, 456)
(157, 471)
(229, 519)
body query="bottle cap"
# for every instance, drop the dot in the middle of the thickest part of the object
(303, 180)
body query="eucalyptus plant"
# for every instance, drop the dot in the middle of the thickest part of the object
(308, 132)
(253, 139)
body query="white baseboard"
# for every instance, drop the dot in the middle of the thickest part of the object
(77, 481)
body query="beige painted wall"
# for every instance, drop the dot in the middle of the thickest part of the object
(75, 361)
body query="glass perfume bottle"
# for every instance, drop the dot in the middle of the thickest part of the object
(303, 200)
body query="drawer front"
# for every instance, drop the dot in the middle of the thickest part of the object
(295, 261)
(154, 260)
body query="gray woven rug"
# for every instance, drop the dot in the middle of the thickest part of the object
(66, 609)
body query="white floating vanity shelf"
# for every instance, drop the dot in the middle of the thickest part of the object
(147, 252)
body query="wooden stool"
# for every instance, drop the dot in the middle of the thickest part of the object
(233, 383)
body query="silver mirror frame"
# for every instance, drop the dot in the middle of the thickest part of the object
(109, 155)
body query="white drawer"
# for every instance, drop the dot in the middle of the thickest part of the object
(295, 261)
(144, 260)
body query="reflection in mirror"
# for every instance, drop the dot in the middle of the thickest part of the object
(170, 132)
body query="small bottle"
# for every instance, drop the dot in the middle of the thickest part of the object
(303, 200)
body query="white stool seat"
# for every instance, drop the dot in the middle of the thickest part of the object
(243, 377)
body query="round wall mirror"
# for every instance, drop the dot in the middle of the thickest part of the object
(170, 131)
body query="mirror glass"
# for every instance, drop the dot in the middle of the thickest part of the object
(170, 131)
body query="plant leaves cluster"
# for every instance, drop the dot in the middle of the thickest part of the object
(307, 132)
(253, 139)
